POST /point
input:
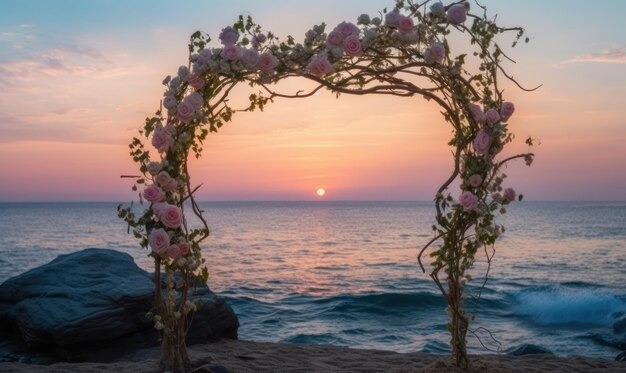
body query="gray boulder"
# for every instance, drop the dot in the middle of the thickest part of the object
(91, 305)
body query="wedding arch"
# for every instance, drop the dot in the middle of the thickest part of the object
(404, 51)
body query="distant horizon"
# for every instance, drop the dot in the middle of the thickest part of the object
(309, 200)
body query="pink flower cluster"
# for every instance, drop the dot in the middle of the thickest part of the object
(345, 37)
(320, 65)
(401, 22)
(160, 243)
(468, 200)
(162, 138)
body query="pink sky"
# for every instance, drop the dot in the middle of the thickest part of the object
(77, 83)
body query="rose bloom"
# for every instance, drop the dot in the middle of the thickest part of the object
(195, 81)
(185, 111)
(334, 39)
(171, 216)
(169, 102)
(250, 58)
(475, 180)
(173, 251)
(468, 200)
(509, 194)
(352, 45)
(392, 18)
(195, 100)
(456, 14)
(162, 140)
(482, 142)
(157, 208)
(170, 186)
(437, 52)
(184, 248)
(364, 19)
(267, 62)
(231, 52)
(205, 56)
(261, 38)
(153, 168)
(159, 240)
(438, 9)
(405, 24)
(506, 110)
(492, 116)
(162, 178)
(153, 193)
(229, 35)
(347, 29)
(320, 66)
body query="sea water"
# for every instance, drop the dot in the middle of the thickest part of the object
(346, 273)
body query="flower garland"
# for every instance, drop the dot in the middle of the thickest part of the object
(404, 52)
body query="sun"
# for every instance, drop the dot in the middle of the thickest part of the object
(320, 192)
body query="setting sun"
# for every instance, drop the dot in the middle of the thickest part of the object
(321, 192)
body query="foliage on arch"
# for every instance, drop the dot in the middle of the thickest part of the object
(405, 51)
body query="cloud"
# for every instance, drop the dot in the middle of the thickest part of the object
(610, 55)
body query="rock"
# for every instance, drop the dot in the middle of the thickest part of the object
(528, 349)
(621, 356)
(91, 305)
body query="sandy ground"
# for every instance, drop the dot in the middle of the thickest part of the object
(243, 356)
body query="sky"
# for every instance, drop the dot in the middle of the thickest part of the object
(78, 78)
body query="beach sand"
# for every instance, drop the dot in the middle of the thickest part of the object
(245, 356)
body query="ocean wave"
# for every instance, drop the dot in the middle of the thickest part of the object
(562, 305)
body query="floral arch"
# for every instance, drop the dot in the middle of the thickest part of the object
(402, 52)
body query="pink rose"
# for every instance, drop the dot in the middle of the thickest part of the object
(153, 193)
(173, 251)
(475, 180)
(482, 142)
(468, 200)
(205, 56)
(231, 52)
(405, 24)
(250, 58)
(162, 178)
(509, 194)
(159, 240)
(195, 100)
(184, 248)
(392, 18)
(477, 113)
(320, 66)
(334, 39)
(492, 116)
(506, 110)
(195, 81)
(437, 52)
(352, 45)
(162, 140)
(185, 111)
(267, 62)
(347, 29)
(229, 35)
(170, 186)
(153, 168)
(171, 216)
(456, 14)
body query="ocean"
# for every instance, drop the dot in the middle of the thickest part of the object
(346, 273)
